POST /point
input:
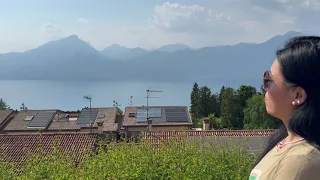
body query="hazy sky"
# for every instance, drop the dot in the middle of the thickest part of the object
(26, 24)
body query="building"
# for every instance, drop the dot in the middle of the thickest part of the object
(161, 118)
(18, 148)
(6, 116)
(104, 120)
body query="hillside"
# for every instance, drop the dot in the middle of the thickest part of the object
(73, 59)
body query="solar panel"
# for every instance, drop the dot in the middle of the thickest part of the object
(141, 115)
(154, 112)
(84, 117)
(176, 115)
(42, 119)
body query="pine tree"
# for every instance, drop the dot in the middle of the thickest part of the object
(195, 101)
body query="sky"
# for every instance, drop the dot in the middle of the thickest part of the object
(27, 24)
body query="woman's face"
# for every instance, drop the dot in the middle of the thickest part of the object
(278, 97)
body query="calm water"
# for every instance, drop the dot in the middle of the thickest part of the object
(68, 95)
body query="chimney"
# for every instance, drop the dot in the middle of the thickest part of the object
(100, 127)
(205, 124)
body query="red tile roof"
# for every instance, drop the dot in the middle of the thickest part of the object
(17, 148)
(179, 135)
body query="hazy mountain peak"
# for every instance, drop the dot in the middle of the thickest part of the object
(292, 33)
(173, 47)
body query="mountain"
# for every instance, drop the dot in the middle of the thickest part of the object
(73, 59)
(173, 47)
(123, 53)
(67, 58)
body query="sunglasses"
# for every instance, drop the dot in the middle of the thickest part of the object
(267, 80)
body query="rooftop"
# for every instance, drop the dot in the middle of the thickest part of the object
(17, 148)
(160, 115)
(57, 120)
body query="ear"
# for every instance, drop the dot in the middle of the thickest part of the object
(300, 96)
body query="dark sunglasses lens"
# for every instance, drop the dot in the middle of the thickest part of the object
(265, 84)
(265, 80)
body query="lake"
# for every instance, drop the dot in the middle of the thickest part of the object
(68, 95)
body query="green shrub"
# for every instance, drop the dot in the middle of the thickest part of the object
(196, 159)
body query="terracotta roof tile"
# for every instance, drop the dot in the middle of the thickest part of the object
(17, 148)
(179, 135)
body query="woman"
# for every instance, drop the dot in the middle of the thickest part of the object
(293, 95)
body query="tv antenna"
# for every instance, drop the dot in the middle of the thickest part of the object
(148, 96)
(130, 104)
(23, 107)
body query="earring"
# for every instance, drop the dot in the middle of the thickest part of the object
(293, 103)
(298, 102)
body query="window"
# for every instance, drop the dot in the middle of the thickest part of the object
(100, 116)
(28, 118)
(132, 114)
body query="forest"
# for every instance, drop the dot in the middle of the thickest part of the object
(242, 108)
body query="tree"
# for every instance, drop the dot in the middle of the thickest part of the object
(256, 116)
(215, 105)
(231, 109)
(195, 101)
(245, 93)
(220, 94)
(3, 104)
(205, 101)
(215, 122)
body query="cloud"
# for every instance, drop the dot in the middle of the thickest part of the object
(82, 20)
(287, 21)
(52, 31)
(312, 4)
(175, 17)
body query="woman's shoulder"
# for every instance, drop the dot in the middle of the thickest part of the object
(303, 149)
(301, 162)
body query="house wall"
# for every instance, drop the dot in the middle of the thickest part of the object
(159, 128)
(131, 130)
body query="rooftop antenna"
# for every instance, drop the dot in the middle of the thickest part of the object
(130, 104)
(116, 104)
(89, 98)
(148, 96)
(23, 107)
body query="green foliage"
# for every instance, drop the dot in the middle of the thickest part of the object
(255, 115)
(3, 104)
(203, 102)
(245, 93)
(215, 122)
(7, 171)
(195, 104)
(241, 108)
(197, 159)
(231, 109)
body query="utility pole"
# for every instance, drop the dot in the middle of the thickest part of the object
(89, 98)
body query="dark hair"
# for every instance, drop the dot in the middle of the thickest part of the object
(300, 66)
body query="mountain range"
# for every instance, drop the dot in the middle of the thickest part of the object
(71, 58)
